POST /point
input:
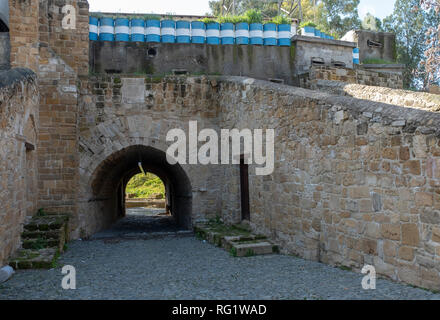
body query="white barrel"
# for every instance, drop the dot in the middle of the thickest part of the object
(106, 29)
(152, 31)
(198, 32)
(122, 29)
(93, 28)
(168, 31)
(137, 30)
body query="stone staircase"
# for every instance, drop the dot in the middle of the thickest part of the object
(43, 240)
(238, 240)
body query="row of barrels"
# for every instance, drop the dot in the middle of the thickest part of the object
(169, 31)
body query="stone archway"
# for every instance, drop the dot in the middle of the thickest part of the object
(111, 176)
(105, 203)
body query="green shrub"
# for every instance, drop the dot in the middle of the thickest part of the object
(240, 19)
(280, 20)
(307, 24)
(208, 20)
(253, 16)
(226, 19)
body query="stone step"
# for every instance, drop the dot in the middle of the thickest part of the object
(239, 241)
(46, 223)
(251, 249)
(40, 243)
(50, 234)
(43, 240)
(34, 259)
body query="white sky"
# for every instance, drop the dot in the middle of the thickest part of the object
(379, 8)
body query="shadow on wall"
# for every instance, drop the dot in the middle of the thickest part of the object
(5, 51)
(4, 15)
(111, 177)
(5, 46)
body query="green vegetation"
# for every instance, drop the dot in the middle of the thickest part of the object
(307, 24)
(208, 20)
(39, 244)
(41, 213)
(345, 268)
(280, 20)
(253, 16)
(144, 186)
(411, 25)
(227, 19)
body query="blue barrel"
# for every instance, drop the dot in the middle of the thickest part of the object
(168, 31)
(152, 31)
(138, 30)
(122, 29)
(93, 28)
(284, 34)
(198, 32)
(227, 34)
(317, 33)
(270, 34)
(256, 33)
(242, 33)
(183, 32)
(213, 33)
(308, 31)
(106, 29)
(356, 56)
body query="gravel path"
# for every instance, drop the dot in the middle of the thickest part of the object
(186, 268)
(182, 267)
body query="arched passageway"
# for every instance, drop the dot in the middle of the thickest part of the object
(112, 175)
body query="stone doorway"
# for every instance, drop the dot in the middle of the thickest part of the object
(113, 205)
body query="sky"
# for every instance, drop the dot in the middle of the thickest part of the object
(378, 8)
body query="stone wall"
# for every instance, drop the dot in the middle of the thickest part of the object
(373, 45)
(310, 79)
(63, 56)
(260, 62)
(125, 120)
(58, 54)
(325, 50)
(23, 25)
(355, 182)
(18, 166)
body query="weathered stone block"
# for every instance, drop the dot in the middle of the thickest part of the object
(410, 234)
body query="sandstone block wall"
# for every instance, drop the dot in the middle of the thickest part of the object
(23, 31)
(18, 133)
(360, 76)
(355, 182)
(121, 112)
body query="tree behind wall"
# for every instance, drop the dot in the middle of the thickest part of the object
(430, 65)
(410, 26)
